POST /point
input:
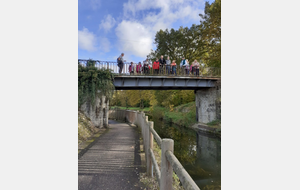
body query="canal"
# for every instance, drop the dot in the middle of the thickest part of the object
(200, 154)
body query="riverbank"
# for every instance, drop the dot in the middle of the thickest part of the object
(185, 115)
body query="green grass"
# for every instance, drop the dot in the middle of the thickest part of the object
(183, 115)
(131, 108)
(215, 124)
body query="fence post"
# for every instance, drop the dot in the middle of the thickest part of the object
(166, 167)
(147, 156)
(150, 146)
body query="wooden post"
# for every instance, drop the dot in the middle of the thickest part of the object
(147, 156)
(166, 167)
(107, 65)
(150, 146)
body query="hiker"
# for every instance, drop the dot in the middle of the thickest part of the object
(193, 68)
(121, 61)
(131, 69)
(162, 63)
(173, 65)
(196, 67)
(182, 63)
(156, 66)
(146, 67)
(139, 68)
(168, 65)
(187, 67)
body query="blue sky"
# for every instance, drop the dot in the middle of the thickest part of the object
(106, 28)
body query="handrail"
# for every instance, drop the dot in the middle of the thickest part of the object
(203, 71)
(156, 168)
(169, 162)
(186, 180)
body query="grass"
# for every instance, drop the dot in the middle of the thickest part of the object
(215, 124)
(183, 115)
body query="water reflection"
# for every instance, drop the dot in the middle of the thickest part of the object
(199, 154)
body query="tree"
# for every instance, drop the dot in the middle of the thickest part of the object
(201, 42)
(211, 31)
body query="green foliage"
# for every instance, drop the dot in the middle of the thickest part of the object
(183, 115)
(214, 122)
(211, 30)
(94, 82)
(200, 42)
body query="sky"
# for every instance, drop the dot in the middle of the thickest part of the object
(106, 28)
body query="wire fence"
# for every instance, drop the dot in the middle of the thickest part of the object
(163, 70)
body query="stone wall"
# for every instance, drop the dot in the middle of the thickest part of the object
(98, 113)
(208, 104)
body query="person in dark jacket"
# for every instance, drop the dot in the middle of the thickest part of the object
(162, 63)
(146, 67)
(121, 63)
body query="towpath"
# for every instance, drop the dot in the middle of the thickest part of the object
(113, 162)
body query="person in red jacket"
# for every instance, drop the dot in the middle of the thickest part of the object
(156, 66)
(131, 68)
(139, 68)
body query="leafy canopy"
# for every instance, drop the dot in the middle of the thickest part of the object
(201, 42)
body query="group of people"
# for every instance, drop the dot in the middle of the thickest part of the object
(160, 66)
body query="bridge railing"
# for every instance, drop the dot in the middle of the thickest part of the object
(163, 71)
(169, 162)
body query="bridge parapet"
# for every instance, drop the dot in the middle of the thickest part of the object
(113, 65)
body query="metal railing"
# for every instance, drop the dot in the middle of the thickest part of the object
(162, 71)
(169, 162)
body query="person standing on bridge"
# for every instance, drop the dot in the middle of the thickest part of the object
(131, 68)
(173, 65)
(121, 62)
(196, 67)
(187, 67)
(139, 68)
(182, 65)
(168, 65)
(162, 63)
(146, 67)
(156, 66)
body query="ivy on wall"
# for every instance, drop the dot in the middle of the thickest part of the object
(94, 82)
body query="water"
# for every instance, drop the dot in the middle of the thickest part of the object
(200, 154)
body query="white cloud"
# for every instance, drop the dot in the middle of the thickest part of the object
(86, 40)
(105, 45)
(107, 23)
(143, 18)
(134, 38)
